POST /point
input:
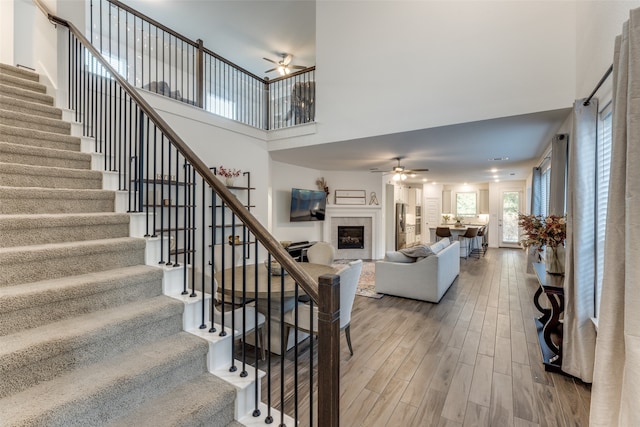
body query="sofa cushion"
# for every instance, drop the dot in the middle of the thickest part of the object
(437, 247)
(393, 256)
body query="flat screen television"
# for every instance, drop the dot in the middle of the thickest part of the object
(307, 205)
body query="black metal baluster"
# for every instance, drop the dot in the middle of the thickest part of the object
(140, 162)
(168, 205)
(283, 347)
(212, 254)
(268, 419)
(154, 179)
(223, 270)
(159, 202)
(244, 300)
(233, 367)
(256, 334)
(145, 179)
(177, 208)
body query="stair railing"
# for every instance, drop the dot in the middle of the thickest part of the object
(186, 208)
(154, 57)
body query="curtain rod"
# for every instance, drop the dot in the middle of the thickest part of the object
(602, 80)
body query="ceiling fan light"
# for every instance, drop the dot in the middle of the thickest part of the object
(287, 70)
(396, 177)
(281, 70)
(403, 177)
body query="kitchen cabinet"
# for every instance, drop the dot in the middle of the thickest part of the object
(446, 202)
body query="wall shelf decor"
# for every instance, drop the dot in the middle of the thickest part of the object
(350, 197)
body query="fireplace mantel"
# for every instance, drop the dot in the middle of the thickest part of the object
(357, 211)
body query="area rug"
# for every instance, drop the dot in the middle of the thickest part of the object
(367, 283)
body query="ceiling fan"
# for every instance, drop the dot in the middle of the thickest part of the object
(400, 173)
(284, 66)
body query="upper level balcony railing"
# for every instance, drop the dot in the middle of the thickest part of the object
(151, 56)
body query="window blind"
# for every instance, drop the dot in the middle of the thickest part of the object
(603, 166)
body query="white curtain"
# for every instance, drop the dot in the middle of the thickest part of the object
(536, 191)
(615, 398)
(579, 336)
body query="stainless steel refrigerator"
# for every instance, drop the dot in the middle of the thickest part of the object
(401, 225)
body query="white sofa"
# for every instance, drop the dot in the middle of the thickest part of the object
(424, 279)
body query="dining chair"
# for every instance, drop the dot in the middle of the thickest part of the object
(230, 260)
(469, 238)
(235, 319)
(442, 232)
(321, 253)
(482, 233)
(349, 278)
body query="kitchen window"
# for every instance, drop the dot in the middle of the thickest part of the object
(466, 204)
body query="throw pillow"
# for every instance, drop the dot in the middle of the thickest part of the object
(446, 242)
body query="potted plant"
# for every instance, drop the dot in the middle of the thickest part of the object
(546, 234)
(458, 220)
(446, 219)
(229, 174)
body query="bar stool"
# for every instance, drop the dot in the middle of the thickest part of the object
(482, 232)
(442, 232)
(470, 237)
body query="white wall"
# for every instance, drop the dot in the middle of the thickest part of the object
(386, 67)
(285, 177)
(221, 142)
(599, 22)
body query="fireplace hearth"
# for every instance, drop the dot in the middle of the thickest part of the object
(350, 237)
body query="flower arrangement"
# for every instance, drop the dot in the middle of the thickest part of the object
(446, 218)
(458, 219)
(550, 231)
(323, 185)
(228, 173)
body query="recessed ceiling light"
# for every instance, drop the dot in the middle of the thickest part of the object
(424, 179)
(495, 176)
(494, 170)
(434, 183)
(497, 180)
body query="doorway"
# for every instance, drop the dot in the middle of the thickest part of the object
(508, 229)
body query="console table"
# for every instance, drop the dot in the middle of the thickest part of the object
(549, 325)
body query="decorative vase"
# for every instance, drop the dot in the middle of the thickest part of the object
(229, 181)
(554, 259)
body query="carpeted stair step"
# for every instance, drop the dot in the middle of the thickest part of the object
(32, 356)
(19, 72)
(34, 108)
(96, 394)
(36, 138)
(31, 122)
(8, 79)
(35, 304)
(23, 230)
(17, 175)
(205, 401)
(26, 264)
(25, 94)
(53, 200)
(38, 156)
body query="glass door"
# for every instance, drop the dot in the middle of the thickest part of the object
(508, 221)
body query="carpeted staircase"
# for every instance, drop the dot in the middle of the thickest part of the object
(86, 336)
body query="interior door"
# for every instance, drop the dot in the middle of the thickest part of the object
(508, 218)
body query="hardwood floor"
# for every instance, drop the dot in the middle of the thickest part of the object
(471, 360)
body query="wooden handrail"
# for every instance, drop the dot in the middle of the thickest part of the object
(308, 284)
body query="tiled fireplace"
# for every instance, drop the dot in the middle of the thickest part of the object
(353, 231)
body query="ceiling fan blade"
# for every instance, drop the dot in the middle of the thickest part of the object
(273, 69)
(287, 59)
(297, 67)
(417, 170)
(270, 60)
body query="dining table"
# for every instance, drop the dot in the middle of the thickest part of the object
(269, 281)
